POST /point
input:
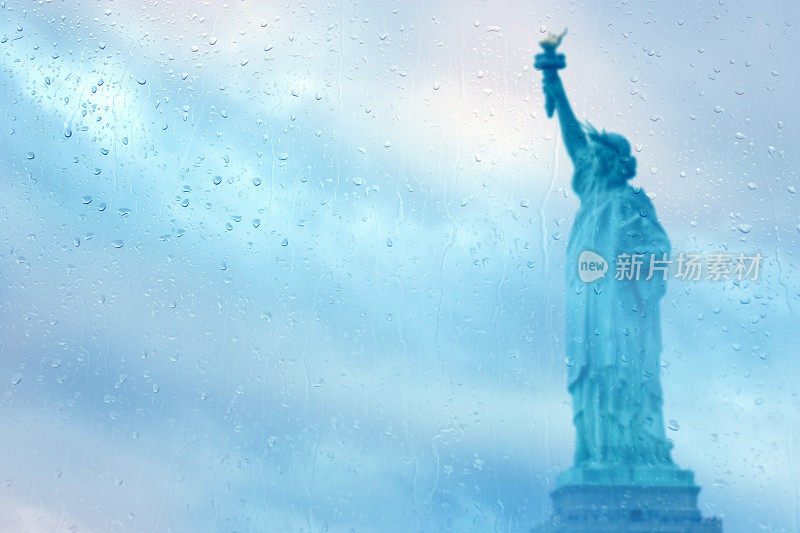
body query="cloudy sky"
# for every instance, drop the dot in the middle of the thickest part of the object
(299, 266)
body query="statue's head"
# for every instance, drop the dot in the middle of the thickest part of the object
(613, 161)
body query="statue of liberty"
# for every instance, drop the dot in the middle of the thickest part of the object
(613, 334)
(623, 477)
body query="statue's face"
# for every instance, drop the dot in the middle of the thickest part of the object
(606, 163)
(608, 170)
(630, 164)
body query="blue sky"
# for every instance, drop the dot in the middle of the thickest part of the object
(300, 267)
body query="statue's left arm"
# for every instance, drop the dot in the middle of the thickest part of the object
(640, 232)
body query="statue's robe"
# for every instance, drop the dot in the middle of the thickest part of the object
(613, 329)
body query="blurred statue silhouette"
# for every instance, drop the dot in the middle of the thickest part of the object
(623, 478)
(613, 328)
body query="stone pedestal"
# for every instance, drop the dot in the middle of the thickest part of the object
(631, 508)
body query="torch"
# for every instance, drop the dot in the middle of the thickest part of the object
(549, 62)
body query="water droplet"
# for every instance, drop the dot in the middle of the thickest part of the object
(673, 425)
(752, 186)
(16, 378)
(739, 135)
(283, 157)
(31, 155)
(86, 200)
(285, 242)
(256, 181)
(436, 86)
(745, 228)
(256, 222)
(217, 180)
(67, 132)
(117, 243)
(524, 203)
(185, 202)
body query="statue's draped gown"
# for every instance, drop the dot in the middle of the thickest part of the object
(613, 329)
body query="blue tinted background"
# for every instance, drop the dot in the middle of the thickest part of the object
(299, 267)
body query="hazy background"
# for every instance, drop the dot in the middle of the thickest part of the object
(299, 266)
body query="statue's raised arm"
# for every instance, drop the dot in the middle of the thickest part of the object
(549, 62)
